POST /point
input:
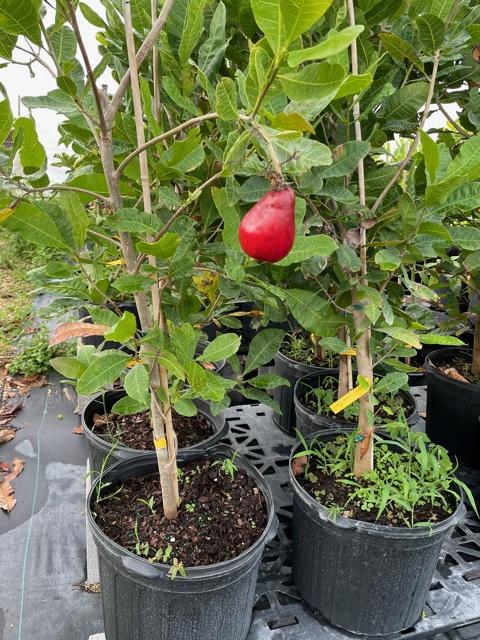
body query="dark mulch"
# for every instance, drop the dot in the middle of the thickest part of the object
(463, 364)
(330, 493)
(304, 353)
(135, 431)
(218, 517)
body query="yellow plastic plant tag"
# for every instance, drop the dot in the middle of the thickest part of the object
(115, 263)
(349, 352)
(5, 213)
(160, 443)
(349, 398)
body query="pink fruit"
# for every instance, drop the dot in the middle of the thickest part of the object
(267, 231)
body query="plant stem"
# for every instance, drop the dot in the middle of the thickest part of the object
(416, 140)
(57, 187)
(155, 70)
(261, 96)
(363, 458)
(164, 136)
(463, 132)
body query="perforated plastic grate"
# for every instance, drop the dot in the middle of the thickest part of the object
(280, 614)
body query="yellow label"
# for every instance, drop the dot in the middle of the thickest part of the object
(160, 443)
(349, 398)
(115, 263)
(5, 213)
(349, 352)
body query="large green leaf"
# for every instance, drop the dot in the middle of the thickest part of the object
(299, 15)
(431, 32)
(69, 367)
(32, 154)
(164, 248)
(103, 371)
(263, 348)
(334, 43)
(405, 102)
(346, 158)
(400, 49)
(313, 82)
(465, 167)
(192, 29)
(306, 247)
(464, 198)
(6, 120)
(132, 283)
(20, 18)
(7, 45)
(77, 217)
(299, 154)
(63, 42)
(431, 154)
(124, 329)
(268, 16)
(229, 214)
(406, 336)
(226, 99)
(137, 384)
(221, 348)
(313, 313)
(213, 49)
(171, 364)
(391, 383)
(446, 341)
(466, 237)
(353, 85)
(35, 225)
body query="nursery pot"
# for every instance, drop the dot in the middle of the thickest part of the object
(292, 371)
(141, 602)
(99, 449)
(97, 341)
(366, 578)
(309, 422)
(453, 410)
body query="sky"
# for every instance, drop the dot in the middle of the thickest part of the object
(18, 83)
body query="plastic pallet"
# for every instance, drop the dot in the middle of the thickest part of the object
(280, 614)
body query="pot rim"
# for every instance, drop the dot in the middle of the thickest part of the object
(136, 452)
(200, 572)
(365, 527)
(298, 404)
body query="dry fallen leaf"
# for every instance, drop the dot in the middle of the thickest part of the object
(4, 466)
(7, 496)
(451, 372)
(298, 466)
(17, 468)
(208, 365)
(6, 435)
(9, 412)
(78, 429)
(77, 330)
(365, 443)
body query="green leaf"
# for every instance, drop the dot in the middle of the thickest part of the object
(402, 335)
(431, 154)
(171, 364)
(192, 29)
(269, 381)
(431, 32)
(371, 302)
(91, 16)
(32, 154)
(226, 96)
(299, 15)
(313, 313)
(465, 167)
(67, 85)
(441, 8)
(400, 49)
(185, 342)
(354, 85)
(217, 407)
(21, 18)
(35, 225)
(103, 371)
(6, 120)
(253, 189)
(220, 348)
(388, 259)
(446, 341)
(69, 367)
(7, 45)
(137, 384)
(133, 221)
(229, 214)
(465, 237)
(268, 16)
(464, 198)
(472, 261)
(77, 217)
(213, 49)
(263, 348)
(64, 43)
(124, 329)
(348, 258)
(306, 247)
(263, 397)
(185, 407)
(164, 248)
(333, 44)
(391, 382)
(174, 93)
(313, 82)
(405, 102)
(299, 154)
(127, 406)
(334, 344)
(132, 283)
(346, 158)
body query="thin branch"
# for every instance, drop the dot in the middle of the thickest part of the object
(97, 234)
(57, 187)
(155, 68)
(36, 58)
(270, 80)
(416, 140)
(88, 66)
(142, 53)
(463, 132)
(163, 136)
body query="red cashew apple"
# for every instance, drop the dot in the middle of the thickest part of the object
(267, 231)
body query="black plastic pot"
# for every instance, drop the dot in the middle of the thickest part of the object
(309, 422)
(366, 578)
(453, 410)
(292, 371)
(141, 602)
(99, 449)
(97, 341)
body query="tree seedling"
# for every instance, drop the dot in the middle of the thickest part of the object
(177, 569)
(150, 503)
(227, 465)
